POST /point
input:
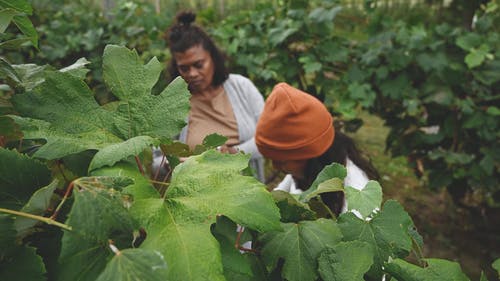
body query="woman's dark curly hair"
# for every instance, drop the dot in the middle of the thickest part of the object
(183, 35)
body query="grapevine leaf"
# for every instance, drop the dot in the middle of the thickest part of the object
(98, 215)
(331, 185)
(436, 270)
(203, 187)
(78, 68)
(113, 153)
(62, 109)
(18, 5)
(141, 188)
(135, 264)
(346, 261)
(214, 140)
(7, 70)
(496, 266)
(13, 44)
(366, 200)
(7, 235)
(30, 75)
(9, 129)
(17, 262)
(334, 170)
(211, 183)
(191, 252)
(26, 27)
(6, 16)
(20, 176)
(291, 210)
(387, 233)
(24, 264)
(37, 205)
(234, 262)
(300, 246)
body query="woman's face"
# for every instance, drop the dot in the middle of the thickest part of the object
(294, 167)
(196, 67)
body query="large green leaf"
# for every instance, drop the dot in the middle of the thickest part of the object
(436, 270)
(366, 200)
(99, 214)
(211, 184)
(71, 121)
(135, 264)
(17, 262)
(346, 261)
(190, 250)
(20, 176)
(300, 245)
(203, 187)
(387, 233)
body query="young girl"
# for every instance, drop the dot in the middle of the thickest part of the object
(296, 132)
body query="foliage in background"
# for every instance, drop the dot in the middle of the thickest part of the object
(118, 224)
(437, 89)
(435, 85)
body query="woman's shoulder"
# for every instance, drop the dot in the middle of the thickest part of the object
(234, 78)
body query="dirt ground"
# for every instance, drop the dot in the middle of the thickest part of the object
(449, 232)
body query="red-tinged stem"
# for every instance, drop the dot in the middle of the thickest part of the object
(157, 173)
(38, 218)
(164, 190)
(139, 164)
(237, 242)
(61, 170)
(66, 195)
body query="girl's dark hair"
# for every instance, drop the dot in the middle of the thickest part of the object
(342, 147)
(183, 35)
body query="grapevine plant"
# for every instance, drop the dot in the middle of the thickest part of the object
(77, 201)
(83, 187)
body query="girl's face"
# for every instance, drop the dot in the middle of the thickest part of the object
(294, 167)
(196, 67)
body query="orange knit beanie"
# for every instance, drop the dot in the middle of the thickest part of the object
(293, 126)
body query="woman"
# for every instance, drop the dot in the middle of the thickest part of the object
(223, 103)
(296, 132)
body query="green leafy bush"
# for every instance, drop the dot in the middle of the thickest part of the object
(436, 88)
(117, 224)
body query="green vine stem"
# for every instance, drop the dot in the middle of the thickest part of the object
(38, 218)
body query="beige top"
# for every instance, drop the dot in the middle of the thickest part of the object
(208, 116)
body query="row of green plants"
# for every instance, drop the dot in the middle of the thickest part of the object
(76, 201)
(435, 86)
